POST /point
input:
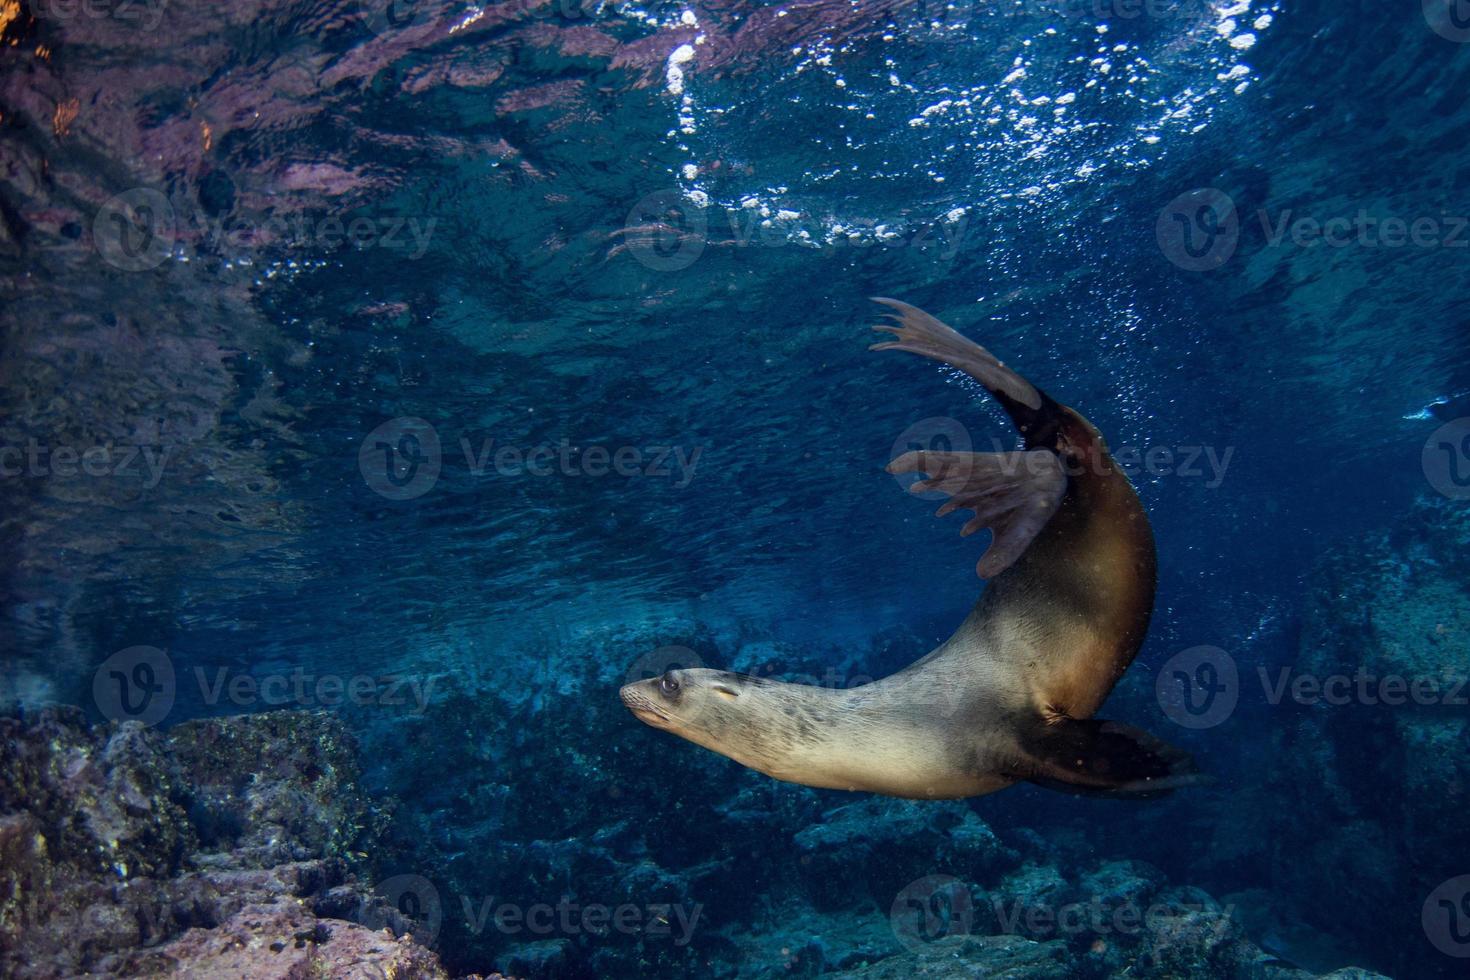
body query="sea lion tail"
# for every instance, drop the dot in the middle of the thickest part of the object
(1094, 757)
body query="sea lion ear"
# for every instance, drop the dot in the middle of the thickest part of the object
(1014, 494)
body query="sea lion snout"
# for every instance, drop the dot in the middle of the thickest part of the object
(638, 699)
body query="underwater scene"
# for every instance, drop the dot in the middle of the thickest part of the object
(869, 489)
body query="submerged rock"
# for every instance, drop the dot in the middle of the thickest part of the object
(220, 848)
(991, 957)
(1379, 753)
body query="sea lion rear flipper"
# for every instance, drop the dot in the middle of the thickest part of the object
(1014, 494)
(1094, 757)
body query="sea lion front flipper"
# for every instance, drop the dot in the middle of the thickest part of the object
(1014, 494)
(1093, 757)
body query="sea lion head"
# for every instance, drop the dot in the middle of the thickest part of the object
(702, 705)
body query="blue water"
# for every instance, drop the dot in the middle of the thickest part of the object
(653, 228)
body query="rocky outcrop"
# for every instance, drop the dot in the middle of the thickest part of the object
(221, 848)
(1381, 754)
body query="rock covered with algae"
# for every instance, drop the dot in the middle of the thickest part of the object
(221, 848)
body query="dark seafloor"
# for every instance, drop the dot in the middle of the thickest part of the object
(272, 714)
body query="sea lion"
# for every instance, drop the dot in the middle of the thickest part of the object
(1010, 696)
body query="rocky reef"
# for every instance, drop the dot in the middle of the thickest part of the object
(549, 838)
(221, 848)
(255, 846)
(1380, 758)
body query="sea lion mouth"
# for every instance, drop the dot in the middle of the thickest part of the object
(643, 709)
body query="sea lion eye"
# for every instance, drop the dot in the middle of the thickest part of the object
(669, 684)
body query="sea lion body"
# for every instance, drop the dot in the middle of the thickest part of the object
(1010, 696)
